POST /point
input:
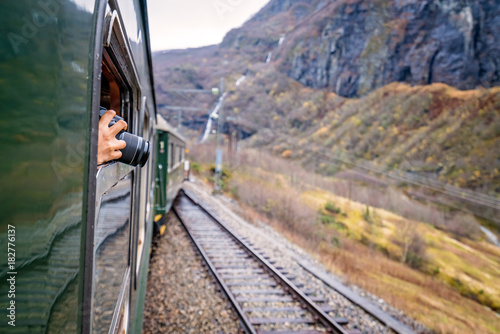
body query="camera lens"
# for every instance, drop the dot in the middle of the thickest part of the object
(137, 150)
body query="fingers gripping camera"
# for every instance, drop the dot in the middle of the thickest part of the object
(136, 152)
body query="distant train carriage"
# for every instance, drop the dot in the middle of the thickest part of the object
(170, 155)
(76, 237)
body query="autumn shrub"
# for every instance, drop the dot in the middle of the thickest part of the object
(330, 207)
(225, 173)
(462, 225)
(196, 167)
(413, 246)
(474, 294)
(203, 153)
(357, 187)
(281, 204)
(326, 219)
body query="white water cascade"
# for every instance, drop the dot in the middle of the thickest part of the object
(282, 39)
(269, 57)
(493, 238)
(213, 115)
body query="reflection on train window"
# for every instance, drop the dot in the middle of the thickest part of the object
(111, 89)
(111, 250)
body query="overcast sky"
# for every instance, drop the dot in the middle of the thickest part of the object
(180, 24)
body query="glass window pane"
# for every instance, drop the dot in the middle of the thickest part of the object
(111, 253)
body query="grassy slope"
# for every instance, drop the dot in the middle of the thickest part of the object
(433, 130)
(368, 254)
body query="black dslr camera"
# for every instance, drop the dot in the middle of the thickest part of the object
(137, 150)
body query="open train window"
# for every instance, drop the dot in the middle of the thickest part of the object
(114, 215)
(111, 87)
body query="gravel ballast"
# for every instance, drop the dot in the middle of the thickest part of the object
(181, 295)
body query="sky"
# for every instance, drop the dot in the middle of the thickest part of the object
(180, 24)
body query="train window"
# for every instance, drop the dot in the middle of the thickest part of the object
(111, 84)
(176, 148)
(111, 244)
(171, 156)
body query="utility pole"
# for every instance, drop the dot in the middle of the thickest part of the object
(220, 142)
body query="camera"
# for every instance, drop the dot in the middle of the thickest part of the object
(137, 150)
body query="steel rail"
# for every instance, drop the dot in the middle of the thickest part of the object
(318, 314)
(247, 326)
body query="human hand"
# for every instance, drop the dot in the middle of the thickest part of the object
(108, 147)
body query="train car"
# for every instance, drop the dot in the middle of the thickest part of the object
(74, 236)
(170, 155)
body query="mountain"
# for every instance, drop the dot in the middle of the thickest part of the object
(400, 84)
(353, 47)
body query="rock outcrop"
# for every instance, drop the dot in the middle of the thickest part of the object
(352, 47)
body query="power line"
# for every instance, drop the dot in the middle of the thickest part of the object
(177, 108)
(191, 91)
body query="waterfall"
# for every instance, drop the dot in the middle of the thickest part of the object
(282, 39)
(213, 115)
(208, 128)
(493, 238)
(269, 57)
(240, 80)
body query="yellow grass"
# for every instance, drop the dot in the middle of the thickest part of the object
(440, 294)
(427, 298)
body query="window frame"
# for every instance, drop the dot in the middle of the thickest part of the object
(113, 49)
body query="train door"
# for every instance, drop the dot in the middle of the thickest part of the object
(110, 259)
(162, 167)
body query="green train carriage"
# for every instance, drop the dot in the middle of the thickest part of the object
(75, 238)
(170, 154)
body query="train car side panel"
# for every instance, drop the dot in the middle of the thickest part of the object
(44, 66)
(175, 174)
(79, 237)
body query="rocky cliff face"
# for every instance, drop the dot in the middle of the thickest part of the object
(352, 47)
(261, 33)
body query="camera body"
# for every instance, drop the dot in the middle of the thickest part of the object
(136, 153)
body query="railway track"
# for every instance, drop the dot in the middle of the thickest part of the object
(262, 294)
